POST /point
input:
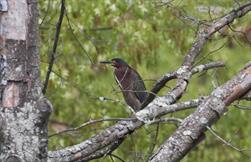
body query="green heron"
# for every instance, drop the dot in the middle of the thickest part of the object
(130, 83)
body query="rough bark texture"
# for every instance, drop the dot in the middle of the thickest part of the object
(23, 109)
(191, 129)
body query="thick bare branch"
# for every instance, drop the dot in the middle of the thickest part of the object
(173, 75)
(113, 133)
(210, 29)
(150, 113)
(247, 96)
(103, 152)
(192, 127)
(184, 72)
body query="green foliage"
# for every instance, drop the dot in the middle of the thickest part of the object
(154, 39)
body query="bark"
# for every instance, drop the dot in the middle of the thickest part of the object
(24, 111)
(189, 133)
(93, 145)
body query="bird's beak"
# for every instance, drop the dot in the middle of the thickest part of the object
(106, 62)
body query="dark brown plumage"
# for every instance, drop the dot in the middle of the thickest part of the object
(130, 83)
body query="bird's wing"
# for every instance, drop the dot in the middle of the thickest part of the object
(139, 88)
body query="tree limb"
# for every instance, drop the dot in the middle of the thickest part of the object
(113, 133)
(91, 122)
(224, 141)
(55, 44)
(192, 127)
(173, 75)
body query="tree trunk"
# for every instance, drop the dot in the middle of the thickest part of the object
(24, 111)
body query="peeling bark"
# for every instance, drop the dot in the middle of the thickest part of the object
(11, 95)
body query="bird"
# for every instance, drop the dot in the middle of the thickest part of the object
(130, 83)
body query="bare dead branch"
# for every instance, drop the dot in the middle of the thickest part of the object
(117, 157)
(215, 26)
(242, 107)
(247, 96)
(149, 114)
(55, 44)
(103, 152)
(99, 29)
(224, 141)
(166, 152)
(173, 75)
(210, 53)
(109, 149)
(91, 122)
(113, 133)
(168, 120)
(189, 132)
(154, 141)
(76, 38)
(46, 13)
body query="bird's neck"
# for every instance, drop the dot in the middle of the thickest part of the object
(122, 73)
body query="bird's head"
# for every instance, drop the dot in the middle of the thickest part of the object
(115, 62)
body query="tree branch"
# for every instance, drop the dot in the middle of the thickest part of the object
(224, 141)
(55, 44)
(192, 127)
(173, 75)
(113, 133)
(90, 122)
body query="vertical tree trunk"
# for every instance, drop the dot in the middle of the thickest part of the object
(24, 111)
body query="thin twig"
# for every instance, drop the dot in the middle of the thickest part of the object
(242, 107)
(99, 29)
(224, 141)
(167, 120)
(235, 31)
(210, 53)
(117, 157)
(111, 158)
(90, 122)
(173, 75)
(46, 13)
(54, 49)
(75, 37)
(84, 91)
(154, 142)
